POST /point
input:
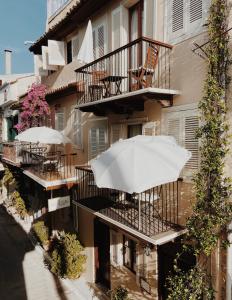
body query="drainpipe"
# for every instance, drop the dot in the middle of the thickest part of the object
(229, 265)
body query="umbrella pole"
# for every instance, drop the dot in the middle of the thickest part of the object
(139, 213)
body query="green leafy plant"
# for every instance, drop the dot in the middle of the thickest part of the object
(212, 211)
(67, 258)
(119, 293)
(19, 204)
(8, 177)
(42, 232)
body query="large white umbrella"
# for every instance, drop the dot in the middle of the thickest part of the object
(85, 54)
(43, 135)
(139, 163)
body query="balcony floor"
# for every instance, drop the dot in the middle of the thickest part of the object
(126, 102)
(127, 214)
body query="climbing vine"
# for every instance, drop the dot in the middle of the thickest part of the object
(212, 210)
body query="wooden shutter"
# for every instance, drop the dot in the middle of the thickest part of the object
(94, 44)
(195, 16)
(116, 28)
(97, 141)
(117, 133)
(174, 128)
(56, 53)
(59, 120)
(46, 65)
(177, 11)
(77, 127)
(191, 142)
(101, 41)
(75, 47)
(149, 128)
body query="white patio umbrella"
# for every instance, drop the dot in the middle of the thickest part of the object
(43, 135)
(139, 163)
(85, 54)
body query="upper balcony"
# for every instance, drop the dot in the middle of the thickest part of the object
(121, 81)
(150, 214)
(49, 168)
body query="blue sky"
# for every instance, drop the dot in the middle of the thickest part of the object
(20, 20)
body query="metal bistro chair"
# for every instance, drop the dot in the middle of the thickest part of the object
(96, 87)
(143, 74)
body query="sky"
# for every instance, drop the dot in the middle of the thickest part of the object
(20, 20)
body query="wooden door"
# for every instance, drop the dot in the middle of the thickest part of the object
(102, 253)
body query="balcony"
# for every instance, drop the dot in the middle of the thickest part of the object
(150, 213)
(121, 81)
(45, 167)
(49, 166)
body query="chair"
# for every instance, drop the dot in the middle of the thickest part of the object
(143, 75)
(96, 86)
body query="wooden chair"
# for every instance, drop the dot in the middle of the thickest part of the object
(143, 75)
(96, 87)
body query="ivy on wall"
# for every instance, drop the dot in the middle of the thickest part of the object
(212, 211)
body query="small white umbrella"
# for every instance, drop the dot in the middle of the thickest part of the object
(140, 163)
(43, 135)
(85, 54)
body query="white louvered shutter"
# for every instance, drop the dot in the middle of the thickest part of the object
(195, 14)
(75, 47)
(59, 120)
(99, 41)
(174, 128)
(38, 66)
(56, 53)
(46, 65)
(97, 141)
(77, 127)
(149, 128)
(94, 44)
(177, 18)
(116, 29)
(191, 142)
(117, 133)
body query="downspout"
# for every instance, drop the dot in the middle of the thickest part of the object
(229, 265)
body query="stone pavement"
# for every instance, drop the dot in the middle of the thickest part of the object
(23, 275)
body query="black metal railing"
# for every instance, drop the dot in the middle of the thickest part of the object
(151, 212)
(140, 64)
(49, 165)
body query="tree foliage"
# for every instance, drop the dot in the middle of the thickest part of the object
(35, 109)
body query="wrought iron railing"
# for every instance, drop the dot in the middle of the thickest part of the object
(49, 165)
(140, 64)
(151, 212)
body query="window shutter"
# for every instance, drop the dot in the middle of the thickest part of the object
(116, 32)
(56, 53)
(174, 129)
(195, 15)
(177, 11)
(75, 47)
(116, 133)
(77, 127)
(149, 128)
(114, 243)
(38, 66)
(97, 141)
(191, 142)
(59, 120)
(101, 41)
(46, 65)
(94, 44)
(93, 144)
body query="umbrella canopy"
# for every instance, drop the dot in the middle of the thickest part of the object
(139, 163)
(44, 135)
(85, 54)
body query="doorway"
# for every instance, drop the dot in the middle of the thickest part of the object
(166, 255)
(102, 253)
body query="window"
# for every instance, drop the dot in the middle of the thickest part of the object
(99, 41)
(182, 123)
(185, 18)
(97, 141)
(75, 47)
(129, 254)
(59, 119)
(69, 52)
(77, 127)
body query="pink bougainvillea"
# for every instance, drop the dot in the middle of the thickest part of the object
(35, 109)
